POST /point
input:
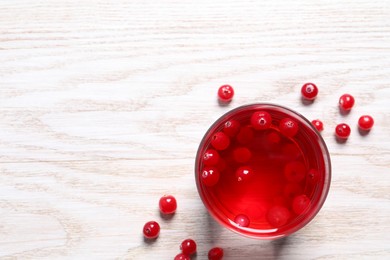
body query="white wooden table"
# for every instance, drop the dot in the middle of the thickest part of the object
(103, 105)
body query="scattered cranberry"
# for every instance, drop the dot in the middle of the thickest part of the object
(182, 256)
(225, 93)
(210, 157)
(220, 141)
(231, 127)
(273, 138)
(167, 204)
(188, 247)
(366, 122)
(215, 253)
(151, 229)
(318, 125)
(343, 131)
(295, 171)
(309, 91)
(210, 176)
(261, 120)
(242, 154)
(346, 102)
(301, 204)
(288, 127)
(278, 216)
(243, 173)
(242, 220)
(245, 135)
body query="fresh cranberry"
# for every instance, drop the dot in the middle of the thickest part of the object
(225, 93)
(278, 216)
(309, 91)
(273, 138)
(215, 253)
(245, 135)
(167, 204)
(243, 173)
(210, 157)
(220, 141)
(182, 256)
(242, 154)
(151, 229)
(261, 120)
(242, 220)
(366, 122)
(295, 171)
(288, 127)
(346, 101)
(231, 127)
(318, 125)
(188, 247)
(343, 131)
(301, 203)
(210, 176)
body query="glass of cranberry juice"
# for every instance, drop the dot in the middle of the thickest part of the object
(263, 171)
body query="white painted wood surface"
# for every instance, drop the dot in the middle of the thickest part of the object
(103, 105)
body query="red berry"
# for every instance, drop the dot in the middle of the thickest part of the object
(243, 173)
(242, 154)
(309, 91)
(151, 229)
(318, 125)
(343, 131)
(245, 135)
(242, 220)
(188, 247)
(366, 122)
(288, 127)
(215, 253)
(261, 120)
(225, 93)
(278, 216)
(210, 157)
(346, 101)
(295, 171)
(301, 204)
(167, 204)
(291, 190)
(231, 127)
(210, 176)
(182, 256)
(220, 141)
(273, 138)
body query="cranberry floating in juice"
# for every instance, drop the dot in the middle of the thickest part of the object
(269, 177)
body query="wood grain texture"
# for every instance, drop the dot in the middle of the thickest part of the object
(103, 105)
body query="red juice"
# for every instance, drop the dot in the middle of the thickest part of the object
(263, 181)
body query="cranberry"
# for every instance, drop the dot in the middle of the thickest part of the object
(188, 247)
(366, 122)
(215, 253)
(261, 120)
(278, 216)
(346, 102)
(220, 141)
(295, 171)
(273, 138)
(243, 173)
(245, 135)
(343, 131)
(242, 154)
(225, 93)
(182, 256)
(210, 176)
(151, 229)
(309, 91)
(242, 220)
(167, 204)
(231, 127)
(291, 190)
(288, 127)
(318, 125)
(210, 157)
(301, 204)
